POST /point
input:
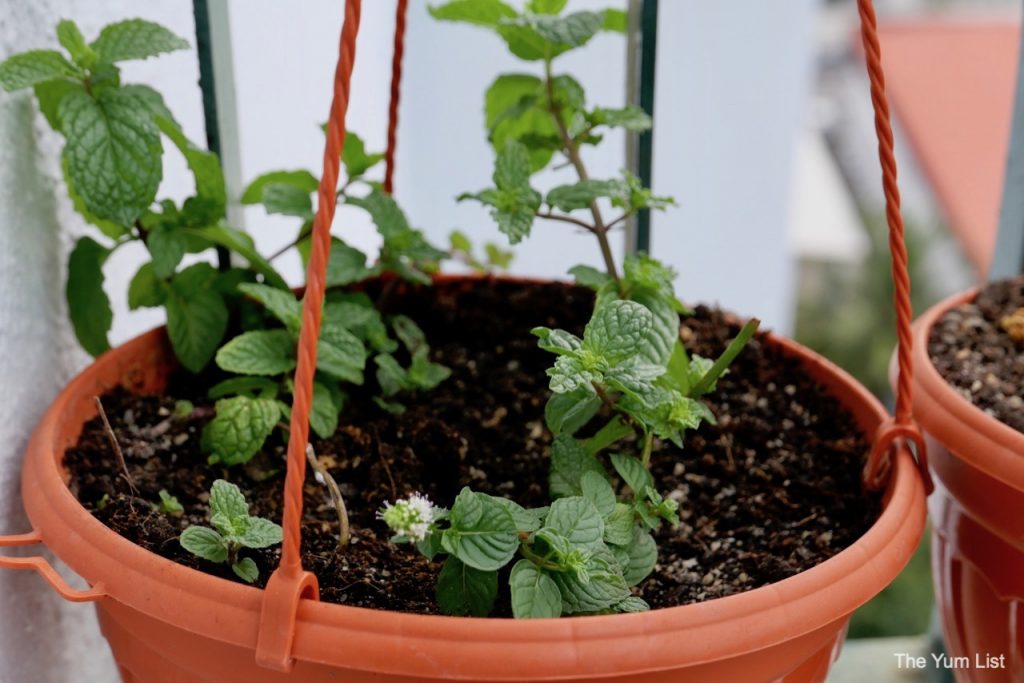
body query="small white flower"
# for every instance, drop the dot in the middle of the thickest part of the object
(411, 518)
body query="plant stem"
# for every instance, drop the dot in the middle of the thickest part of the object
(567, 219)
(645, 457)
(727, 357)
(336, 498)
(117, 447)
(542, 562)
(572, 153)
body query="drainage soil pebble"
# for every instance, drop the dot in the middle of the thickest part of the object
(978, 347)
(770, 491)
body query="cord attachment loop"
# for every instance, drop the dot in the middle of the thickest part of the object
(889, 437)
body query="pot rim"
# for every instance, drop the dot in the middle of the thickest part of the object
(399, 643)
(973, 435)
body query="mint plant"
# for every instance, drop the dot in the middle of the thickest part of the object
(630, 369)
(232, 530)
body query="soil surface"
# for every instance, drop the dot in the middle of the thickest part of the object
(978, 347)
(770, 491)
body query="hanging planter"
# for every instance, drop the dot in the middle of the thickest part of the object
(976, 455)
(175, 604)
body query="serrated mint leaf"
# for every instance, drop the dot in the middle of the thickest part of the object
(557, 341)
(463, 590)
(260, 533)
(666, 412)
(578, 519)
(546, 6)
(634, 376)
(618, 330)
(146, 290)
(698, 367)
(483, 532)
(391, 376)
(424, 374)
(113, 153)
(345, 265)
(633, 473)
(286, 200)
(323, 417)
(632, 118)
(167, 248)
(341, 354)
(49, 94)
(632, 604)
(534, 594)
(355, 312)
(354, 156)
(527, 520)
(209, 203)
(570, 373)
(573, 29)
(660, 341)
(243, 245)
(618, 526)
(71, 40)
(479, 12)
(246, 570)
(640, 557)
(384, 211)
(280, 303)
(88, 305)
(467, 510)
(598, 491)
(409, 333)
(615, 20)
(205, 543)
(512, 167)
(301, 180)
(240, 427)
(587, 276)
(569, 461)
(196, 316)
(259, 352)
(35, 66)
(227, 499)
(514, 106)
(604, 589)
(580, 195)
(254, 387)
(567, 413)
(135, 39)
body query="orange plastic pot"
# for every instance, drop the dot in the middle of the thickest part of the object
(166, 622)
(977, 520)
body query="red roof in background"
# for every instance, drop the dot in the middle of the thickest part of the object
(952, 84)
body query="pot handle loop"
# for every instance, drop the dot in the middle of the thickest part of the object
(289, 583)
(43, 567)
(902, 427)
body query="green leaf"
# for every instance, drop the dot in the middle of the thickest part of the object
(113, 152)
(483, 532)
(354, 156)
(146, 290)
(534, 594)
(323, 417)
(631, 118)
(573, 30)
(615, 20)
(355, 312)
(135, 39)
(260, 387)
(425, 374)
(50, 93)
(587, 276)
(280, 303)
(598, 491)
(196, 316)
(260, 533)
(35, 66)
(612, 431)
(546, 6)
(569, 461)
(167, 247)
(512, 167)
(581, 194)
(88, 305)
(210, 200)
(514, 106)
(567, 413)
(239, 429)
(664, 332)
(391, 376)
(465, 591)
(300, 180)
(259, 352)
(345, 265)
(246, 570)
(227, 499)
(619, 525)
(287, 201)
(604, 589)
(384, 212)
(479, 12)
(205, 543)
(557, 341)
(341, 354)
(618, 330)
(579, 520)
(632, 604)
(527, 520)
(409, 333)
(242, 244)
(640, 557)
(169, 505)
(71, 40)
(632, 471)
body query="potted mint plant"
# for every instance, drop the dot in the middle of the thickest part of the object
(630, 488)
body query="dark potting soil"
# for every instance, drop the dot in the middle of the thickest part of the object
(978, 347)
(770, 491)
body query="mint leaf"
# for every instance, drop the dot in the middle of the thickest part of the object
(664, 332)
(323, 417)
(35, 66)
(557, 341)
(113, 153)
(526, 520)
(632, 472)
(605, 588)
(146, 290)
(345, 265)
(619, 525)
(581, 194)
(260, 352)
(573, 30)
(260, 533)
(569, 462)
(341, 354)
(577, 519)
(71, 40)
(169, 505)
(567, 413)
(88, 305)
(205, 543)
(391, 376)
(463, 590)
(246, 570)
(479, 12)
(49, 94)
(546, 6)
(167, 247)
(239, 429)
(196, 315)
(354, 156)
(253, 387)
(598, 491)
(409, 333)
(280, 303)
(227, 499)
(483, 532)
(534, 594)
(301, 180)
(618, 330)
(384, 212)
(210, 200)
(135, 39)
(615, 20)
(355, 312)
(639, 557)
(287, 201)
(513, 202)
(587, 276)
(631, 118)
(632, 604)
(243, 245)
(424, 374)
(515, 110)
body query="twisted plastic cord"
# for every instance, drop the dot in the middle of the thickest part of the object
(312, 303)
(396, 81)
(903, 426)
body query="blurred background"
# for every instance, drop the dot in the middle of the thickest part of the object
(763, 134)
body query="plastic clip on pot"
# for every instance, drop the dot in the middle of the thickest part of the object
(166, 622)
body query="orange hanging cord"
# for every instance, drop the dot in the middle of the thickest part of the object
(396, 81)
(902, 427)
(289, 583)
